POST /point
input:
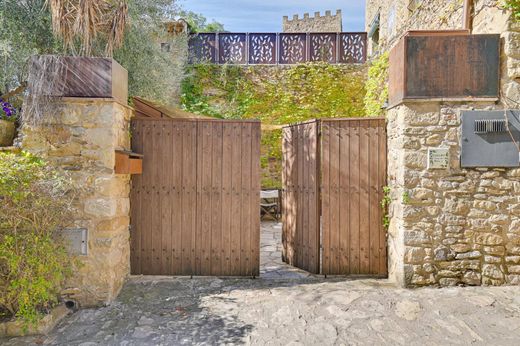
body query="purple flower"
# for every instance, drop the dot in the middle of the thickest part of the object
(7, 108)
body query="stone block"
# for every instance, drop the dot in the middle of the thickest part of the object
(101, 207)
(472, 278)
(492, 271)
(415, 255)
(468, 255)
(489, 239)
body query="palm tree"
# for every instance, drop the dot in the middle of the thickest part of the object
(85, 25)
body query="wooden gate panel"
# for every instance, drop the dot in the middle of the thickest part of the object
(194, 208)
(301, 237)
(353, 176)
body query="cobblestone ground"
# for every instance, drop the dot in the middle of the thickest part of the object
(287, 308)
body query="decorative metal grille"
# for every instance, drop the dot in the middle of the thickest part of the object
(203, 48)
(293, 48)
(232, 48)
(352, 48)
(323, 48)
(262, 48)
(272, 48)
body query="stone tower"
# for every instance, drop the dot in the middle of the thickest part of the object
(318, 23)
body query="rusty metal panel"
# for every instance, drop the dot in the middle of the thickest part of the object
(203, 48)
(232, 48)
(445, 66)
(277, 48)
(352, 48)
(323, 47)
(262, 48)
(293, 48)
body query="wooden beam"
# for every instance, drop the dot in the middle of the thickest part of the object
(467, 19)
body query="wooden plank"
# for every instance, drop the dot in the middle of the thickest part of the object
(135, 201)
(236, 185)
(383, 267)
(364, 186)
(227, 216)
(216, 200)
(175, 164)
(286, 192)
(255, 199)
(204, 209)
(314, 231)
(166, 198)
(156, 244)
(306, 208)
(344, 198)
(245, 171)
(188, 194)
(325, 196)
(374, 207)
(335, 157)
(146, 234)
(355, 195)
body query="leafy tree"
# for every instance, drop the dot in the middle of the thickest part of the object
(25, 30)
(199, 23)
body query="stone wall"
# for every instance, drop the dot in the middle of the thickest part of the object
(327, 23)
(81, 136)
(454, 226)
(399, 16)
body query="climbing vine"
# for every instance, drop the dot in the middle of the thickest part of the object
(377, 86)
(385, 204)
(514, 6)
(275, 95)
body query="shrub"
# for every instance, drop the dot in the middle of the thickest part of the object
(35, 202)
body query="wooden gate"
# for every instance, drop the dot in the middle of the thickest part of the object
(194, 210)
(349, 159)
(301, 231)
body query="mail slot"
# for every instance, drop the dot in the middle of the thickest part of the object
(128, 162)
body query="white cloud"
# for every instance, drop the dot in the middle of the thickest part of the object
(266, 15)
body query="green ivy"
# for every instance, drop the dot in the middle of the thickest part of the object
(385, 204)
(276, 95)
(514, 6)
(377, 86)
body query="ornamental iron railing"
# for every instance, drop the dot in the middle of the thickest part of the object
(277, 48)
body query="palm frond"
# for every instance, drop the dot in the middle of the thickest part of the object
(81, 24)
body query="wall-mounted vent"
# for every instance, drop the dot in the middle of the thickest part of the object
(490, 126)
(487, 139)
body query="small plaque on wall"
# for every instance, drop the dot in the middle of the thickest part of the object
(76, 241)
(438, 158)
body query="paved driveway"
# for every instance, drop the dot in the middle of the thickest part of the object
(289, 307)
(181, 311)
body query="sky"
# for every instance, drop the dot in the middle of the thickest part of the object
(266, 15)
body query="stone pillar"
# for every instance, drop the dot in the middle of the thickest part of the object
(454, 226)
(448, 226)
(81, 137)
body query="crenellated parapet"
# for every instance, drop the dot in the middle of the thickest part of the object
(318, 23)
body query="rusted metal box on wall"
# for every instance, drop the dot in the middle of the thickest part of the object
(82, 77)
(444, 65)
